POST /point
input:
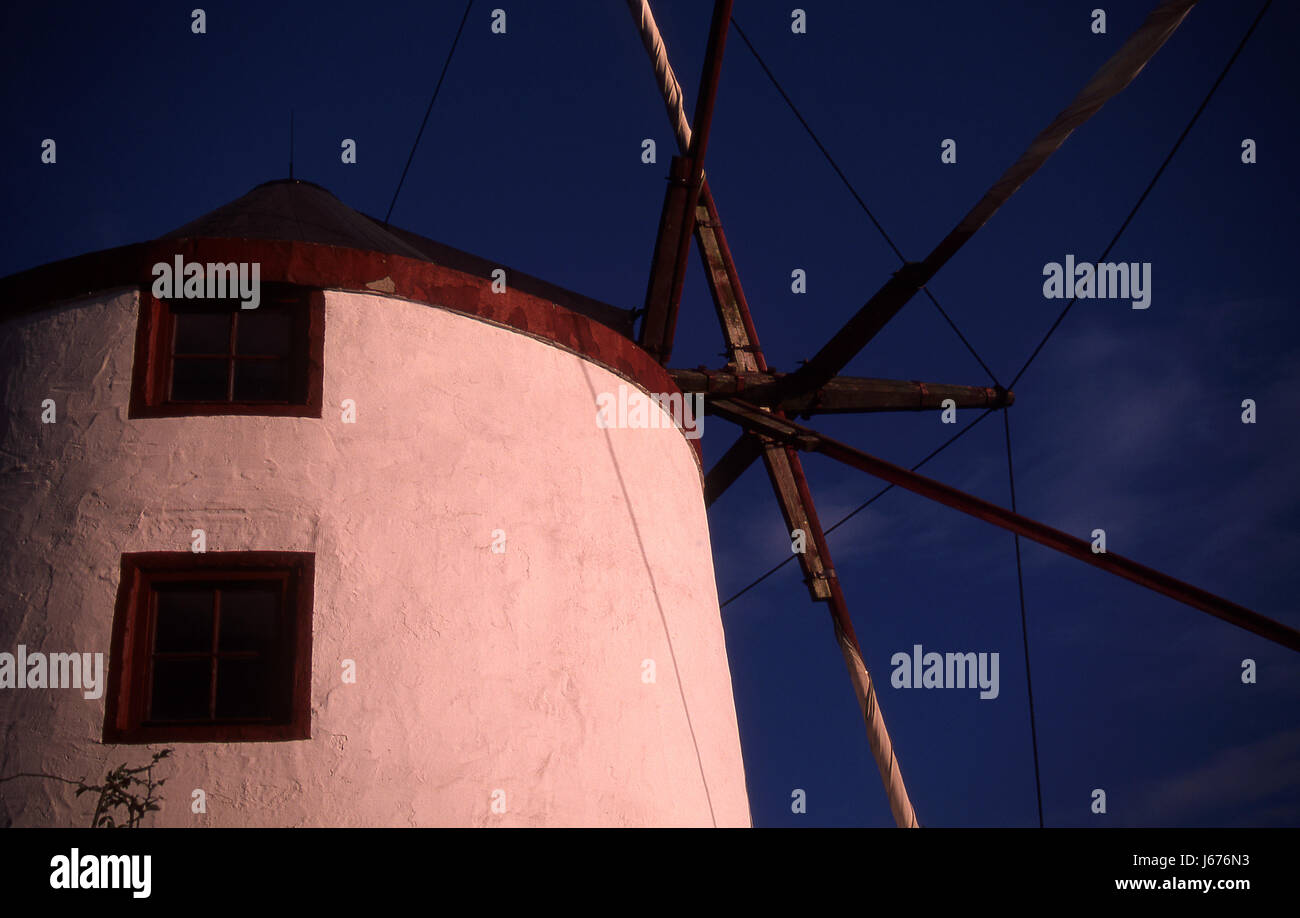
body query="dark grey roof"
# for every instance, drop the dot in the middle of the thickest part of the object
(298, 211)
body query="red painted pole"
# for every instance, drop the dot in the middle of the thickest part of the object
(699, 145)
(807, 439)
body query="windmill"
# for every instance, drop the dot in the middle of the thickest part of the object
(762, 403)
(534, 650)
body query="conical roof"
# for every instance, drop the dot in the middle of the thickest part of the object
(293, 210)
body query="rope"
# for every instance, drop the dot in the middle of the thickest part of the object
(1024, 627)
(427, 111)
(857, 197)
(826, 153)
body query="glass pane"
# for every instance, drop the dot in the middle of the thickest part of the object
(184, 622)
(264, 331)
(180, 689)
(199, 380)
(202, 332)
(243, 689)
(249, 618)
(261, 381)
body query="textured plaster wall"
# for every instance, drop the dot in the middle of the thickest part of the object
(476, 672)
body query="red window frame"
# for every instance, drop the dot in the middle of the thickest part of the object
(126, 716)
(154, 353)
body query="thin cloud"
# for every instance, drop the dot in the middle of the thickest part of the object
(1240, 781)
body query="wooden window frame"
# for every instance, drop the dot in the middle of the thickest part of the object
(129, 682)
(150, 382)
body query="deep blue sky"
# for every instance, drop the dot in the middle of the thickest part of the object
(1129, 420)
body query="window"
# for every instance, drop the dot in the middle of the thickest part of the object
(207, 357)
(212, 647)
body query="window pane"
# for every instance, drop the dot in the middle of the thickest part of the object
(202, 332)
(184, 622)
(250, 618)
(199, 380)
(264, 331)
(261, 381)
(243, 689)
(180, 689)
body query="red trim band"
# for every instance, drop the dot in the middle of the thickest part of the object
(331, 267)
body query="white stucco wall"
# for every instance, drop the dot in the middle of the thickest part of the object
(476, 671)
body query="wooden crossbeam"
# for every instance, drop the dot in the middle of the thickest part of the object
(843, 394)
(783, 466)
(785, 470)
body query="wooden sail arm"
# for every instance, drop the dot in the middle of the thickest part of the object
(781, 430)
